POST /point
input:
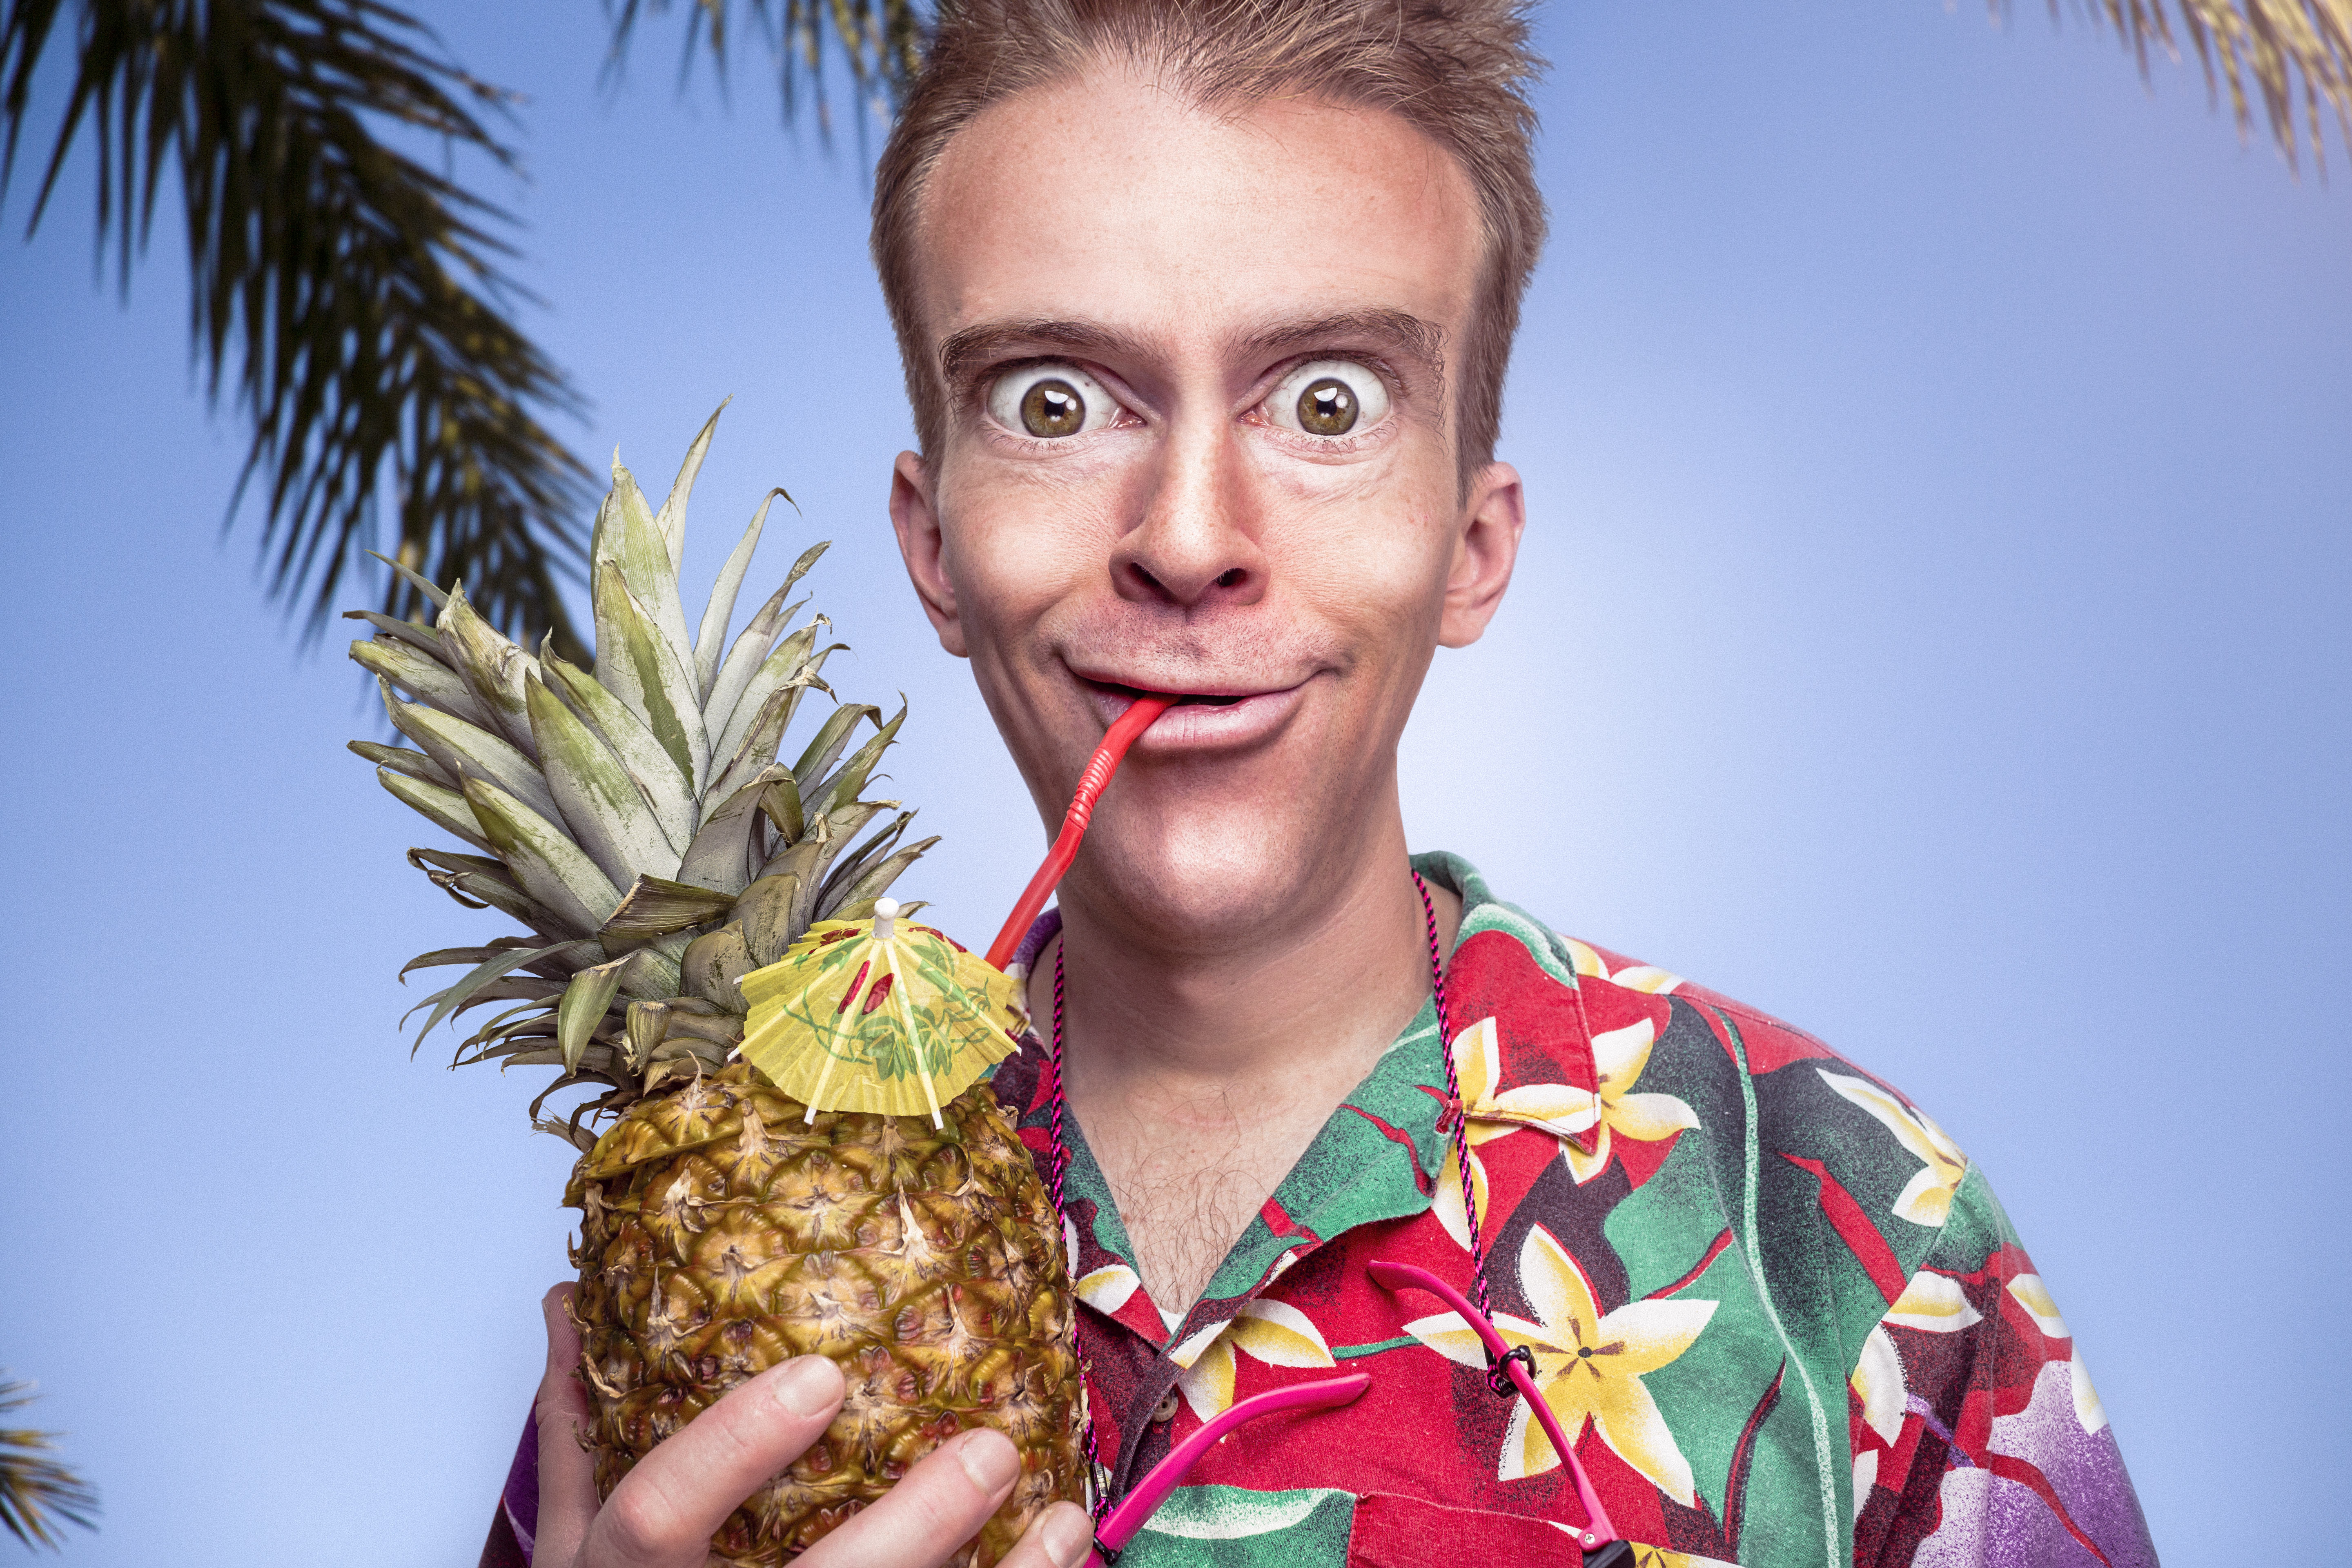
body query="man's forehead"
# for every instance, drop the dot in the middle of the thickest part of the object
(1101, 211)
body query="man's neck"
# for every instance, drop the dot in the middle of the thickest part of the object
(1202, 1072)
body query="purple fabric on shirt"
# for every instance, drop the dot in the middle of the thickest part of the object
(1047, 927)
(521, 1500)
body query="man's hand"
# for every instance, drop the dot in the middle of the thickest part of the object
(663, 1511)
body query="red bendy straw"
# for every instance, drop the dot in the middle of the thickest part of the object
(1091, 783)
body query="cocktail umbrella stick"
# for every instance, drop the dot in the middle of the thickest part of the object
(886, 931)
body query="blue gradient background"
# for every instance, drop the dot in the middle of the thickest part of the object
(1931, 629)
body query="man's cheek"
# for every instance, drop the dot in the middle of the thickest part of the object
(1287, 480)
(1380, 573)
(1008, 562)
(1023, 621)
(1050, 515)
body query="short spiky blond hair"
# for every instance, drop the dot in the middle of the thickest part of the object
(1456, 70)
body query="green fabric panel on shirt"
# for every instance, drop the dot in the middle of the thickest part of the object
(1660, 1231)
(1350, 1352)
(1663, 1228)
(1234, 1527)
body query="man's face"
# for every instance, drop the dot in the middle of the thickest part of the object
(1200, 440)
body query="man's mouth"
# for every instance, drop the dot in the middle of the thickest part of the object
(1199, 721)
(1182, 699)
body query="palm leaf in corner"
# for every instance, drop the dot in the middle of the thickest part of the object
(36, 1493)
(2296, 54)
(350, 297)
(878, 42)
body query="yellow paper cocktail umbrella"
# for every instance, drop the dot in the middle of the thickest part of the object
(879, 1016)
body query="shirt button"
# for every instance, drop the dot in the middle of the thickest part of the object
(1165, 1411)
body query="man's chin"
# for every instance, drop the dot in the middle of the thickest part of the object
(1224, 873)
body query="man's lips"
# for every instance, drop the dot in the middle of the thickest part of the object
(1211, 719)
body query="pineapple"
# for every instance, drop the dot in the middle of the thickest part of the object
(636, 817)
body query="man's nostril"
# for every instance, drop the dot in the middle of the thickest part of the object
(1231, 579)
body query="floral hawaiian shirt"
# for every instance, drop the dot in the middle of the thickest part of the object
(1780, 1315)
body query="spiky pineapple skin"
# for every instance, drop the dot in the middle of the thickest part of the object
(721, 1235)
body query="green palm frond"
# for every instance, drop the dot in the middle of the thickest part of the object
(2296, 52)
(352, 295)
(879, 43)
(36, 1493)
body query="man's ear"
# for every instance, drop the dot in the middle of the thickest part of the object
(1486, 548)
(916, 520)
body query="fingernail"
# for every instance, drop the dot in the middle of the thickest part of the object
(1066, 1535)
(808, 1386)
(989, 1459)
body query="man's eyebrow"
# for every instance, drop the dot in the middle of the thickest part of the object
(975, 346)
(1400, 331)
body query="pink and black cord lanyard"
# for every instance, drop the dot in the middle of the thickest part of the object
(1510, 1370)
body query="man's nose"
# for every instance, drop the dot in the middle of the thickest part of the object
(1195, 542)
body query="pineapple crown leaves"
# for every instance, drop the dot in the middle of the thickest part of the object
(636, 815)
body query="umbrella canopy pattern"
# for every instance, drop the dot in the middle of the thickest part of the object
(880, 1016)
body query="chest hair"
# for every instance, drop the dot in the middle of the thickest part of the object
(1187, 1191)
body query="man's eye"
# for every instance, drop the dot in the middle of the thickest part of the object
(1049, 401)
(1329, 397)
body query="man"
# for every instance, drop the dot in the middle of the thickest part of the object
(1205, 309)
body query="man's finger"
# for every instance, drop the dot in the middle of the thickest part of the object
(1057, 1538)
(663, 1511)
(925, 1517)
(567, 1477)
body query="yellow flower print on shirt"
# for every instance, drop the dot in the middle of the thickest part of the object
(1619, 1055)
(1659, 1557)
(1647, 978)
(1276, 1332)
(1493, 1113)
(1588, 1367)
(1655, 1556)
(1927, 1200)
(1107, 1289)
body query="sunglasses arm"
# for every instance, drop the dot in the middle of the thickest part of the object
(1324, 1393)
